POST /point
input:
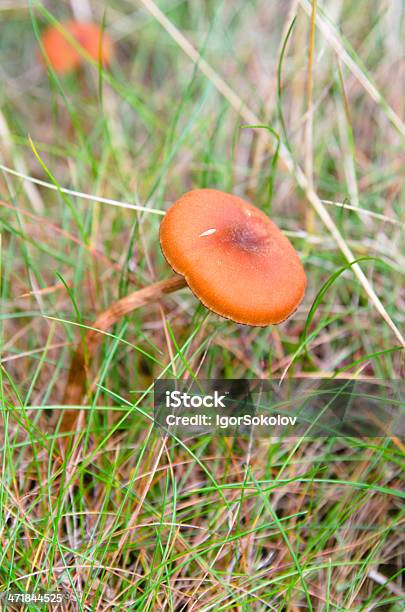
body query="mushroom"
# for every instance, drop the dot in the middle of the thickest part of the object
(234, 259)
(63, 55)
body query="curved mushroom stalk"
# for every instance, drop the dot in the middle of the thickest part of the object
(76, 385)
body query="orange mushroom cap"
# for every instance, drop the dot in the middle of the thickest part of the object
(64, 57)
(235, 260)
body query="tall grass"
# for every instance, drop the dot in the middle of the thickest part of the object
(124, 517)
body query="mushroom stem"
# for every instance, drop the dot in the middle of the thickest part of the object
(77, 380)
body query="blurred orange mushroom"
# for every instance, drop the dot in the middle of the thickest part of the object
(234, 259)
(63, 56)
